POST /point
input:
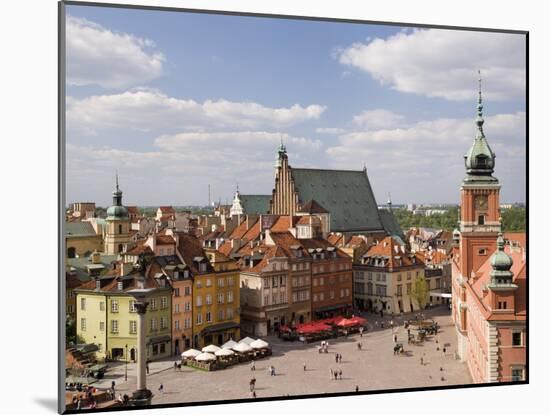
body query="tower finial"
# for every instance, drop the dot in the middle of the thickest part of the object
(479, 119)
(116, 180)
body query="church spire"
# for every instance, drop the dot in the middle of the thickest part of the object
(479, 120)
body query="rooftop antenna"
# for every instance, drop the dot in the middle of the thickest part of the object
(389, 200)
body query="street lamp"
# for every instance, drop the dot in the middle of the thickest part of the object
(126, 367)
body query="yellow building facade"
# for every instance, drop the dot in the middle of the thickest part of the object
(109, 320)
(216, 301)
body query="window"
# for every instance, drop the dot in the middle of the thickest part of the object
(347, 292)
(83, 304)
(221, 298)
(187, 291)
(482, 251)
(114, 326)
(275, 282)
(176, 324)
(481, 220)
(321, 296)
(102, 306)
(208, 317)
(220, 315)
(208, 282)
(177, 308)
(266, 299)
(341, 293)
(230, 296)
(409, 275)
(164, 302)
(199, 318)
(153, 324)
(409, 288)
(114, 306)
(315, 282)
(502, 305)
(70, 308)
(315, 298)
(283, 297)
(153, 305)
(229, 313)
(163, 323)
(188, 306)
(516, 339)
(198, 301)
(399, 290)
(321, 281)
(187, 323)
(83, 324)
(119, 228)
(132, 306)
(517, 374)
(220, 282)
(208, 299)
(176, 292)
(369, 276)
(275, 298)
(133, 326)
(332, 295)
(230, 281)
(398, 277)
(199, 284)
(294, 297)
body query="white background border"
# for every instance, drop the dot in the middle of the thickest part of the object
(28, 97)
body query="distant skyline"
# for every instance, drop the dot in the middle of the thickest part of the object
(178, 101)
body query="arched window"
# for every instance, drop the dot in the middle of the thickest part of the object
(119, 228)
(71, 252)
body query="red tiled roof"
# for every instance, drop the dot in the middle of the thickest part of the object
(335, 239)
(165, 240)
(167, 209)
(519, 237)
(392, 251)
(309, 220)
(282, 224)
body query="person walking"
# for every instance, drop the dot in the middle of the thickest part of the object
(421, 360)
(147, 367)
(337, 357)
(305, 366)
(161, 388)
(253, 365)
(395, 338)
(356, 388)
(175, 366)
(444, 350)
(335, 375)
(340, 374)
(361, 331)
(113, 383)
(331, 374)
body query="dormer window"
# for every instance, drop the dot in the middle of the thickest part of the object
(120, 286)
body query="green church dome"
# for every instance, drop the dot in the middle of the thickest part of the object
(117, 211)
(501, 261)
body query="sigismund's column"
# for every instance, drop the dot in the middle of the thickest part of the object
(142, 396)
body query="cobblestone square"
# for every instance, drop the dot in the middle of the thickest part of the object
(374, 367)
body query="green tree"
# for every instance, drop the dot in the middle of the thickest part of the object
(420, 291)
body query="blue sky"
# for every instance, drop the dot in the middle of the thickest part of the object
(177, 101)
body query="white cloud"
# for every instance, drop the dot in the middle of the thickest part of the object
(180, 165)
(377, 119)
(428, 155)
(99, 56)
(149, 110)
(330, 130)
(444, 63)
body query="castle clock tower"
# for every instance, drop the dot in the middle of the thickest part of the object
(479, 202)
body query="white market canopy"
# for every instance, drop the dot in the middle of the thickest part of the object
(210, 349)
(190, 353)
(259, 344)
(229, 344)
(224, 352)
(203, 357)
(247, 340)
(242, 348)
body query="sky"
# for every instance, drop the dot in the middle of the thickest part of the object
(178, 101)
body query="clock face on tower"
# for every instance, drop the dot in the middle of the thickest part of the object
(481, 202)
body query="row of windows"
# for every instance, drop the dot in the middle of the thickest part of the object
(187, 307)
(186, 323)
(153, 304)
(221, 298)
(344, 292)
(300, 296)
(331, 280)
(276, 298)
(275, 281)
(299, 281)
(222, 315)
(331, 268)
(186, 291)
(221, 282)
(132, 325)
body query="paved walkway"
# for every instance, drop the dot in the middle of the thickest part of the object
(374, 367)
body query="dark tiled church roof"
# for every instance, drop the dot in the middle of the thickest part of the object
(255, 204)
(390, 223)
(346, 194)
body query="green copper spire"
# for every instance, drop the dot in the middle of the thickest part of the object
(117, 211)
(480, 159)
(501, 263)
(281, 153)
